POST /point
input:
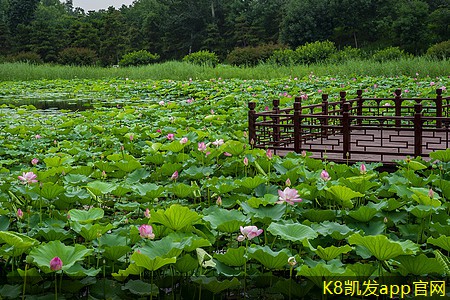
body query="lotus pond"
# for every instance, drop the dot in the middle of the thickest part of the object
(152, 191)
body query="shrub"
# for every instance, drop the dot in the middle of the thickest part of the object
(310, 53)
(390, 53)
(138, 58)
(78, 57)
(283, 57)
(203, 58)
(251, 56)
(440, 50)
(349, 53)
(27, 57)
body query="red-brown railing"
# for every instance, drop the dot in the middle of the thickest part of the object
(370, 129)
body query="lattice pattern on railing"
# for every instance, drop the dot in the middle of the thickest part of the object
(375, 129)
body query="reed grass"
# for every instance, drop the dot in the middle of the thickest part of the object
(183, 71)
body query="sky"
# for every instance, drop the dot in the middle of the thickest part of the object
(88, 5)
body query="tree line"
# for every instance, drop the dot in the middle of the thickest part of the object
(174, 28)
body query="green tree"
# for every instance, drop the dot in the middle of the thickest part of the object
(113, 36)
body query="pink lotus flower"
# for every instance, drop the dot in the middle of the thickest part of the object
(189, 100)
(146, 231)
(269, 154)
(161, 102)
(289, 196)
(184, 140)
(325, 176)
(158, 130)
(131, 137)
(174, 175)
(227, 154)
(28, 177)
(170, 136)
(288, 182)
(34, 161)
(56, 264)
(431, 193)
(432, 83)
(363, 169)
(202, 146)
(245, 161)
(37, 136)
(304, 96)
(218, 143)
(250, 232)
(147, 213)
(219, 201)
(19, 213)
(303, 154)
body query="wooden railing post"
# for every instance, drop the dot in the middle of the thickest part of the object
(418, 129)
(360, 103)
(324, 121)
(297, 127)
(251, 124)
(342, 99)
(346, 148)
(276, 121)
(398, 107)
(438, 102)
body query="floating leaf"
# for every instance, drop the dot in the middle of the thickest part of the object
(383, 248)
(292, 232)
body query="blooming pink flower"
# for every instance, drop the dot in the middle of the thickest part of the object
(202, 146)
(19, 213)
(170, 136)
(443, 88)
(363, 169)
(432, 83)
(250, 232)
(304, 96)
(174, 175)
(289, 196)
(266, 108)
(131, 137)
(147, 213)
(28, 177)
(184, 140)
(146, 231)
(161, 102)
(56, 264)
(325, 176)
(34, 161)
(269, 154)
(218, 143)
(319, 91)
(227, 154)
(303, 154)
(189, 100)
(158, 130)
(37, 136)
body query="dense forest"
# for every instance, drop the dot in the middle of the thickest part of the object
(175, 28)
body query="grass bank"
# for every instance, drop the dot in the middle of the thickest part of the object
(182, 71)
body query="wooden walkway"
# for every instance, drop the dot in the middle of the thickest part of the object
(360, 129)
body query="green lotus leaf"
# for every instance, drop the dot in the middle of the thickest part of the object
(195, 172)
(292, 232)
(174, 146)
(266, 214)
(20, 243)
(332, 252)
(99, 188)
(186, 264)
(76, 270)
(121, 191)
(383, 248)
(149, 263)
(132, 269)
(57, 161)
(69, 255)
(11, 291)
(343, 195)
(75, 178)
(443, 261)
(221, 185)
(418, 265)
(215, 286)
(86, 216)
(176, 217)
(165, 247)
(415, 165)
(363, 214)
(128, 165)
(90, 231)
(321, 273)
(444, 186)
(422, 197)
(136, 176)
(31, 276)
(421, 211)
(169, 168)
(49, 190)
(251, 182)
(319, 215)
(442, 155)
(54, 233)
(362, 271)
(291, 288)
(442, 242)
(140, 288)
(157, 159)
(116, 252)
(270, 259)
(234, 257)
(149, 190)
(181, 190)
(335, 230)
(360, 184)
(224, 220)
(105, 166)
(234, 147)
(188, 241)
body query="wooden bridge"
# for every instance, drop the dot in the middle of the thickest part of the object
(359, 129)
